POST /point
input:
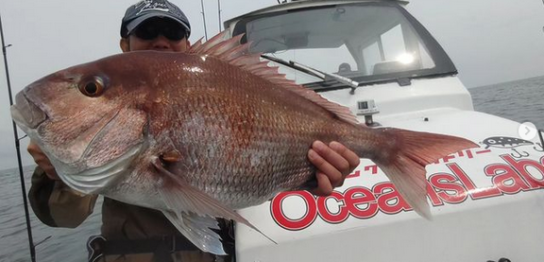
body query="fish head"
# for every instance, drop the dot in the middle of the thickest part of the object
(88, 119)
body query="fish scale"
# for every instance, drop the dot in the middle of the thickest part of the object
(290, 127)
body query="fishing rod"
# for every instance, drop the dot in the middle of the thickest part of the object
(18, 148)
(204, 19)
(540, 132)
(219, 13)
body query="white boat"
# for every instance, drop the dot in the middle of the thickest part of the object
(486, 203)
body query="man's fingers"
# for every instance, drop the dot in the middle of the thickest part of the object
(42, 161)
(348, 155)
(332, 156)
(324, 187)
(333, 162)
(322, 161)
(33, 149)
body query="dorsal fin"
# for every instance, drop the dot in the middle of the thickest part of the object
(230, 50)
(195, 47)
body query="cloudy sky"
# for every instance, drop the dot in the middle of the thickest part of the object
(490, 41)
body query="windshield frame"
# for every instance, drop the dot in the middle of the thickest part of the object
(443, 64)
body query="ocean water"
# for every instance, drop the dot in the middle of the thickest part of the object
(520, 101)
(60, 244)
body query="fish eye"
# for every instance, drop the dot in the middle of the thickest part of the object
(92, 87)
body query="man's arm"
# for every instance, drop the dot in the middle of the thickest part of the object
(333, 162)
(54, 203)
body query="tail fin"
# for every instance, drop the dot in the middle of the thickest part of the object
(406, 167)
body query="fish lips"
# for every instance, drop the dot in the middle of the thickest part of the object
(27, 114)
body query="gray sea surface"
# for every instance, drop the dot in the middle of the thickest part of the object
(59, 244)
(520, 101)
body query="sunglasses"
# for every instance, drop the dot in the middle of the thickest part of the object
(151, 30)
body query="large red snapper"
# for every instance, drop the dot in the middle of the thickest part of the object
(199, 134)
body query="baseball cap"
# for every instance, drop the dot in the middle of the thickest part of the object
(143, 10)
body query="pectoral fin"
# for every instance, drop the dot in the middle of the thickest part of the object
(197, 230)
(183, 198)
(171, 156)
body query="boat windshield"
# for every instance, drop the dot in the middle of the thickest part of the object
(366, 42)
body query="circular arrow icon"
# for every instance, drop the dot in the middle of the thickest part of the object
(527, 131)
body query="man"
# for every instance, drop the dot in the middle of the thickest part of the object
(132, 233)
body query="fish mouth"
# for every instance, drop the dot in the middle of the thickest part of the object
(27, 114)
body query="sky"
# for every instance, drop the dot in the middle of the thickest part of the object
(489, 41)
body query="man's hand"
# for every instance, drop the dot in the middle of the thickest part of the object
(42, 161)
(333, 162)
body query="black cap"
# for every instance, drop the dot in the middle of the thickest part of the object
(146, 9)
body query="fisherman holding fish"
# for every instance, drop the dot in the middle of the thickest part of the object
(133, 233)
